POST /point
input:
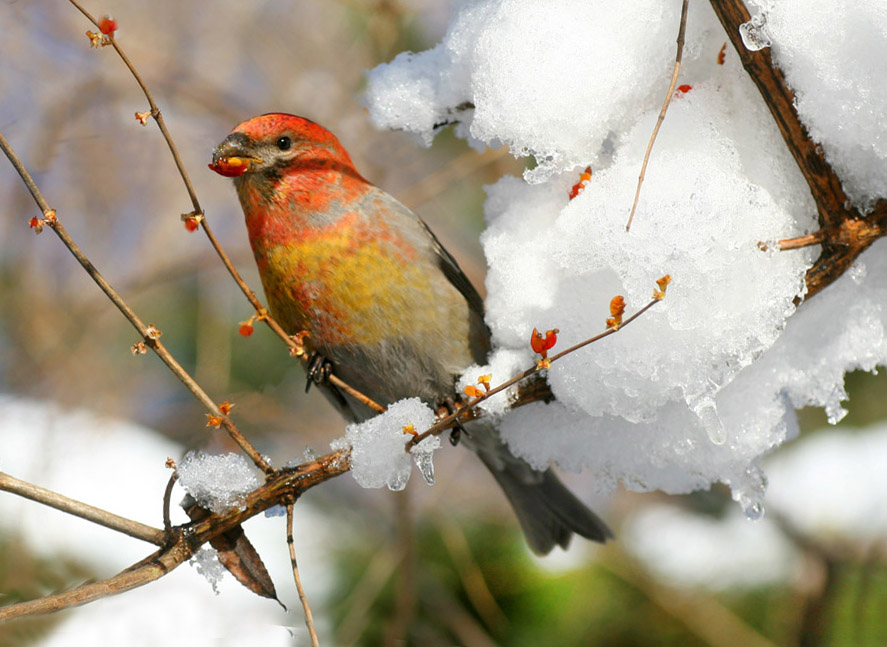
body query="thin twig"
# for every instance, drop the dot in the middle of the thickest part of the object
(150, 336)
(283, 485)
(155, 111)
(473, 580)
(801, 241)
(309, 619)
(398, 629)
(704, 616)
(448, 421)
(365, 592)
(278, 330)
(146, 571)
(661, 118)
(167, 497)
(798, 242)
(101, 517)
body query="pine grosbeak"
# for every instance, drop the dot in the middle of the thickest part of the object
(383, 302)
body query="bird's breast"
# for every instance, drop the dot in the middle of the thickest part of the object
(347, 283)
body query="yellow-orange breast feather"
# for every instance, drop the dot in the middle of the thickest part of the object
(343, 289)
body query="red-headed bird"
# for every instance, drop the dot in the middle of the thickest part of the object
(387, 308)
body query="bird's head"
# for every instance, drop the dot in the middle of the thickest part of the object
(274, 145)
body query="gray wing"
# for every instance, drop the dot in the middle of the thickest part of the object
(454, 273)
(479, 333)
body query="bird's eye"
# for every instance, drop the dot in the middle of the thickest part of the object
(284, 143)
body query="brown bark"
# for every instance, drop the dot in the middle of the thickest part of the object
(845, 232)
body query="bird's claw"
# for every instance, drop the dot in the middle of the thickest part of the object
(318, 371)
(459, 429)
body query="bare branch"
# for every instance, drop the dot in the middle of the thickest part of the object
(148, 570)
(473, 580)
(150, 335)
(704, 616)
(309, 619)
(200, 215)
(845, 233)
(155, 111)
(668, 97)
(58, 501)
(283, 486)
(398, 624)
(470, 407)
(167, 496)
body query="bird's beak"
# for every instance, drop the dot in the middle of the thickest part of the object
(231, 158)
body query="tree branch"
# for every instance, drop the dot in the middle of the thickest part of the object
(150, 335)
(469, 410)
(282, 487)
(148, 570)
(101, 517)
(845, 232)
(668, 97)
(295, 347)
(309, 618)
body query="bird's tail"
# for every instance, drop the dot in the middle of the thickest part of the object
(548, 512)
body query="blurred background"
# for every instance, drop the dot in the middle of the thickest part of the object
(435, 565)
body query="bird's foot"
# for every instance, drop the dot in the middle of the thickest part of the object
(456, 434)
(319, 370)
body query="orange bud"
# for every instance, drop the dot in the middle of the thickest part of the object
(473, 391)
(551, 338)
(246, 328)
(142, 117)
(225, 407)
(617, 309)
(213, 421)
(36, 224)
(722, 55)
(192, 220)
(542, 344)
(683, 89)
(170, 463)
(584, 178)
(485, 381)
(537, 342)
(95, 40)
(662, 282)
(107, 25)
(299, 338)
(410, 429)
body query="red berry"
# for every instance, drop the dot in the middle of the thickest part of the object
(107, 25)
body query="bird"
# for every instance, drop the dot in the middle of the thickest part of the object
(386, 307)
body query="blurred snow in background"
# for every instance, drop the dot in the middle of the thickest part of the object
(119, 466)
(826, 489)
